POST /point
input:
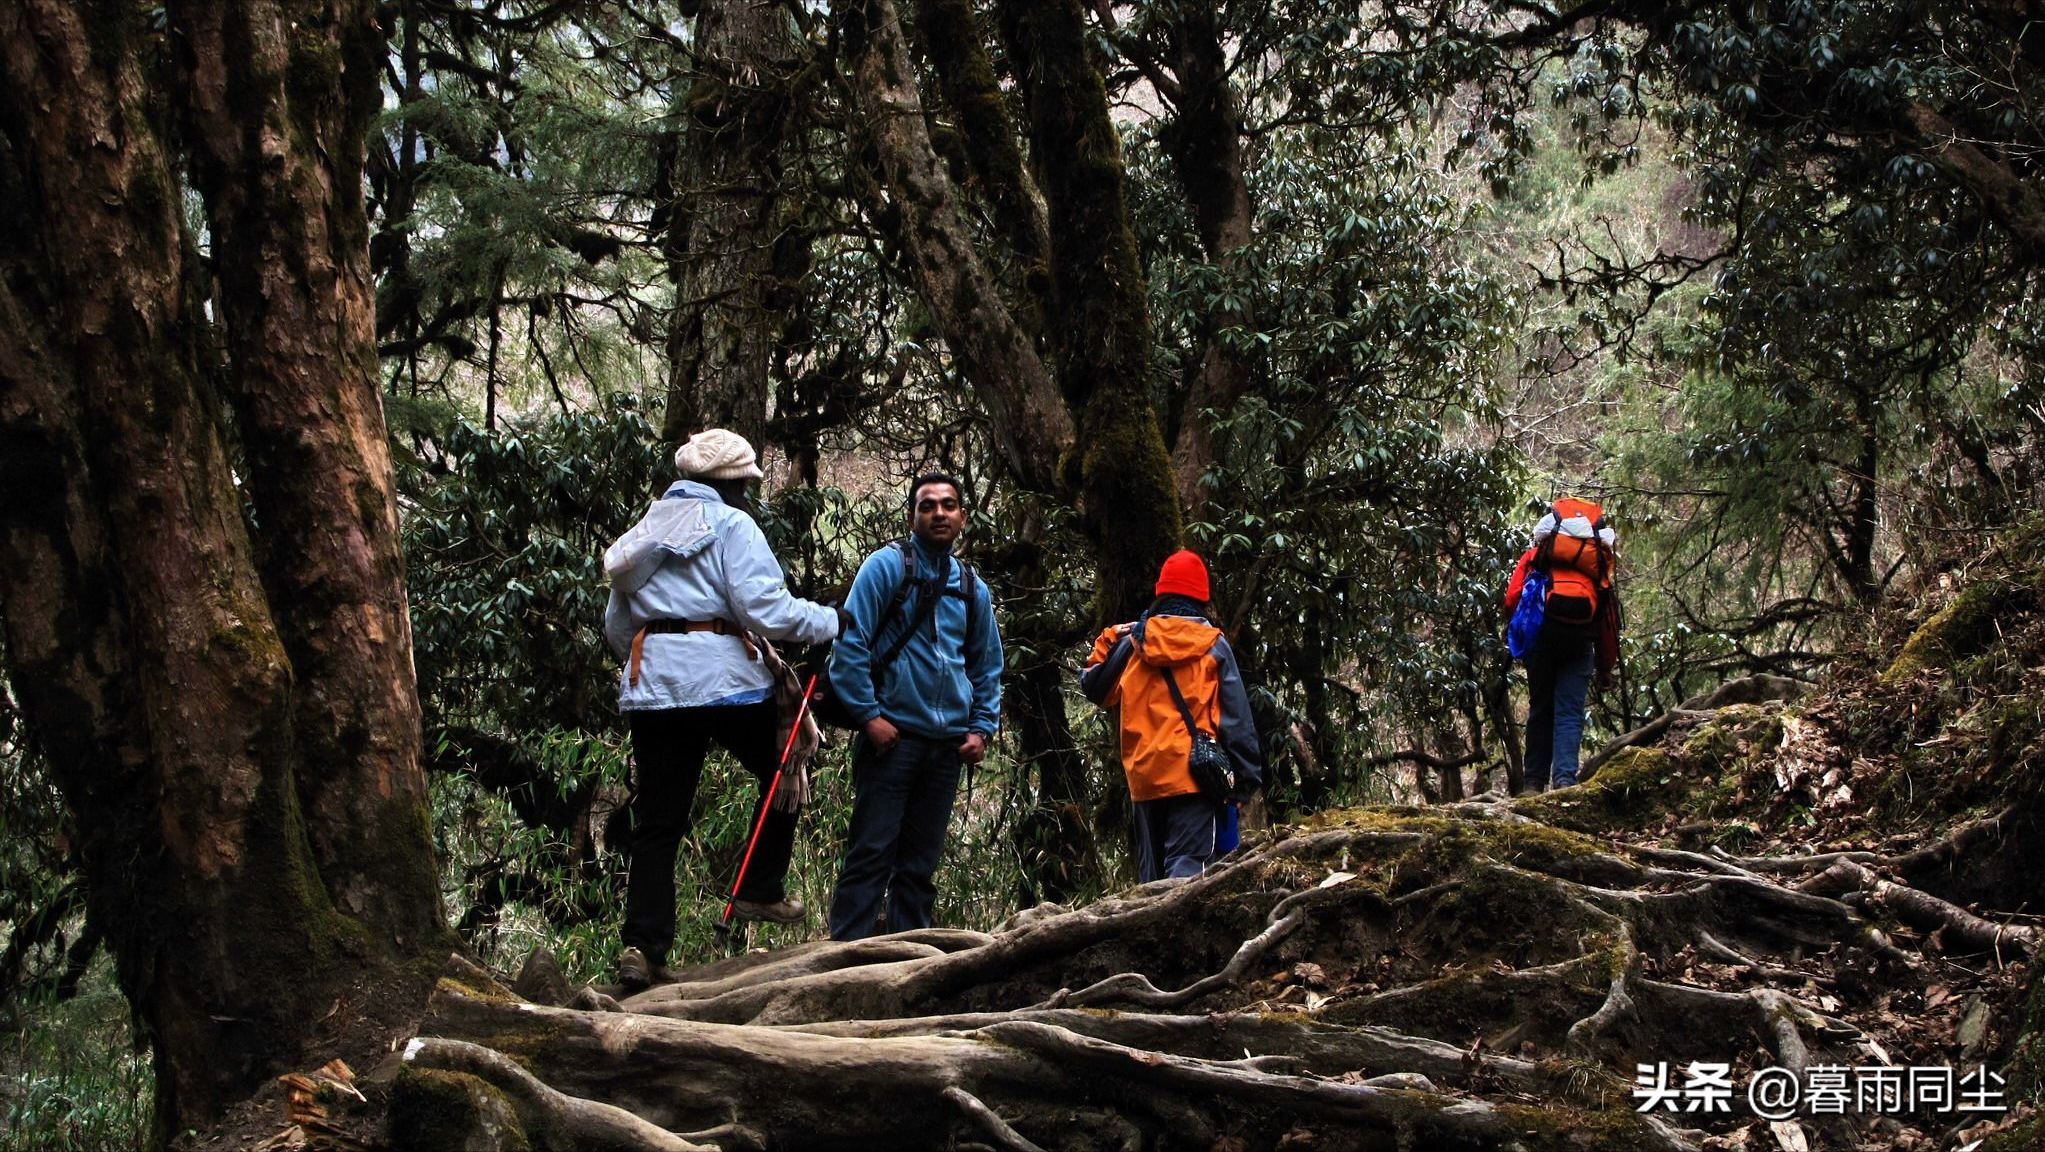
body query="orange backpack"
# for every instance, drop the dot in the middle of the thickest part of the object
(1577, 559)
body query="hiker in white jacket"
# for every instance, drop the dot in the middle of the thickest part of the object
(688, 582)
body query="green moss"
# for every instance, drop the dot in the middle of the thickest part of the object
(536, 1046)
(241, 621)
(1379, 819)
(1730, 732)
(2026, 1068)
(1963, 627)
(2027, 1136)
(1632, 770)
(1567, 1129)
(457, 984)
(406, 850)
(1536, 846)
(314, 74)
(437, 1111)
(1632, 784)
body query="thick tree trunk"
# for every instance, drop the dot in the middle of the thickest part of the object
(917, 204)
(965, 77)
(724, 209)
(1206, 145)
(1055, 838)
(232, 718)
(281, 97)
(1128, 503)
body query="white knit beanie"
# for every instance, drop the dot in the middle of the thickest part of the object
(717, 454)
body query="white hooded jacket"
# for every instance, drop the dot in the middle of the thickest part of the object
(692, 557)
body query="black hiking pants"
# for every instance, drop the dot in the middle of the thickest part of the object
(668, 746)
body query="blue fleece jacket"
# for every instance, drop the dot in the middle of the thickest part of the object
(936, 687)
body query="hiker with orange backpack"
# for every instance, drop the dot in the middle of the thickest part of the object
(1564, 612)
(1189, 745)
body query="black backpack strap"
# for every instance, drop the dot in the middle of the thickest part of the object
(893, 612)
(924, 608)
(1179, 698)
(968, 590)
(902, 587)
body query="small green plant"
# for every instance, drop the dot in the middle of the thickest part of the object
(1736, 835)
(70, 1077)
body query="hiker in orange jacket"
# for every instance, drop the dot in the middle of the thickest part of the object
(1133, 667)
(1572, 551)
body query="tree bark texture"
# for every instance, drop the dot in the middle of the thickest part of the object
(724, 218)
(918, 205)
(1205, 140)
(1099, 309)
(1054, 838)
(230, 715)
(950, 35)
(281, 97)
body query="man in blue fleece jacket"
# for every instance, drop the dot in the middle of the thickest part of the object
(931, 708)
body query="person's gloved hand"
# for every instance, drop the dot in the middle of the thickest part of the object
(794, 789)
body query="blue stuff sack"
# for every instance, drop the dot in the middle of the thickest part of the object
(1527, 618)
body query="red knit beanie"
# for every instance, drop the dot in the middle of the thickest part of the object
(1184, 574)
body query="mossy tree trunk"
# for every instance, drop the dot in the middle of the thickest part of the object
(1101, 332)
(723, 214)
(226, 700)
(964, 70)
(910, 195)
(1205, 140)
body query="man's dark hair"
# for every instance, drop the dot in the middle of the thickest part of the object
(917, 485)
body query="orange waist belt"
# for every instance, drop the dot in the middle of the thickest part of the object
(663, 627)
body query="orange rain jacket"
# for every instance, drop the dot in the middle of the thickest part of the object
(1123, 672)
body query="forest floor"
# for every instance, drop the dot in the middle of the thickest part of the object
(1834, 899)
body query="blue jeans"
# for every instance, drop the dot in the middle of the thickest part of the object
(1558, 680)
(901, 807)
(1175, 836)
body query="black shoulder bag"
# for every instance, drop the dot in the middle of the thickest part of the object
(1212, 773)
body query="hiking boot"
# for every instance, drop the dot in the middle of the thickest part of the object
(787, 910)
(637, 973)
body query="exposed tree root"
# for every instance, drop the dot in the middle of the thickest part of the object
(1476, 981)
(994, 1125)
(551, 1120)
(1924, 910)
(1135, 988)
(1618, 1005)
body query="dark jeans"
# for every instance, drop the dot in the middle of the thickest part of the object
(901, 806)
(1558, 680)
(1174, 836)
(668, 745)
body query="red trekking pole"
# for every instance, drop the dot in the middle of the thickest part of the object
(766, 805)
